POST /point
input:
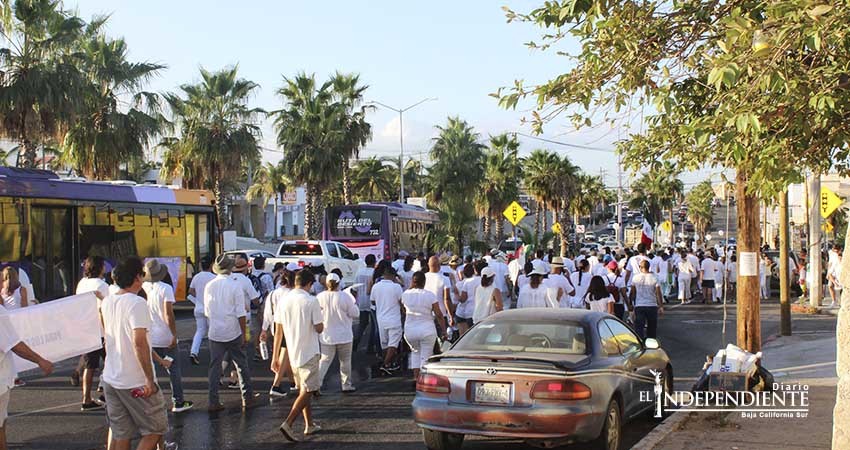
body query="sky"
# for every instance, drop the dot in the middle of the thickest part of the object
(455, 51)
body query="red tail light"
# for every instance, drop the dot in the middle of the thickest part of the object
(560, 390)
(300, 263)
(433, 384)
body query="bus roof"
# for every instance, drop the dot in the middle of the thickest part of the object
(34, 183)
(403, 209)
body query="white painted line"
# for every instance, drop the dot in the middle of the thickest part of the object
(27, 413)
(810, 366)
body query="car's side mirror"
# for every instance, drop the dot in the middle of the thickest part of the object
(651, 344)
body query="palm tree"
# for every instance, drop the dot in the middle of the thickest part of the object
(456, 176)
(219, 133)
(107, 135)
(270, 183)
(586, 197)
(500, 186)
(348, 94)
(373, 180)
(657, 191)
(539, 182)
(565, 180)
(699, 208)
(309, 131)
(42, 83)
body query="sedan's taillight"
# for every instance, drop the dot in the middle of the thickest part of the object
(560, 390)
(433, 384)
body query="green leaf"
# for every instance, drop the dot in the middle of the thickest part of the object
(742, 121)
(818, 11)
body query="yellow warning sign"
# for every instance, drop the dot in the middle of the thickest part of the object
(829, 202)
(514, 213)
(556, 228)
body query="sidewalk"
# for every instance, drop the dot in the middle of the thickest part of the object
(805, 359)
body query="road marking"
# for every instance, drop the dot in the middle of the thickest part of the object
(809, 366)
(36, 411)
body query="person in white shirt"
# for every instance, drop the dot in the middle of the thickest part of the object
(386, 296)
(339, 309)
(134, 403)
(466, 302)
(559, 287)
(538, 256)
(93, 271)
(398, 264)
(419, 332)
(597, 296)
(435, 283)
(533, 294)
(707, 271)
(406, 272)
(488, 298)
(833, 275)
(11, 343)
(645, 295)
(694, 260)
(224, 306)
(615, 284)
(685, 272)
(363, 277)
(581, 282)
(663, 271)
(196, 296)
(719, 274)
(12, 291)
(633, 264)
(273, 303)
(299, 322)
(502, 281)
(732, 276)
(569, 265)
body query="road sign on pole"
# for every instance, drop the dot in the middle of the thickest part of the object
(579, 229)
(514, 213)
(829, 202)
(556, 228)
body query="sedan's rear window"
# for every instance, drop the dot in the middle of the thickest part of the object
(300, 250)
(525, 336)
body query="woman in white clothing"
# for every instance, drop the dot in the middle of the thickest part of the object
(597, 297)
(685, 271)
(488, 299)
(420, 308)
(14, 294)
(533, 294)
(339, 309)
(406, 274)
(272, 303)
(581, 281)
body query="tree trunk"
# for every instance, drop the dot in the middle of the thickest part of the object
(308, 211)
(346, 183)
(565, 245)
(221, 208)
(500, 228)
(537, 219)
(784, 269)
(27, 153)
(545, 220)
(276, 233)
(841, 413)
(459, 242)
(488, 234)
(317, 206)
(815, 266)
(672, 229)
(749, 322)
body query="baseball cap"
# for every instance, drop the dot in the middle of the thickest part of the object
(332, 277)
(538, 268)
(487, 272)
(612, 265)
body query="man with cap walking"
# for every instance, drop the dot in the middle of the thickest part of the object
(502, 280)
(224, 306)
(163, 330)
(559, 287)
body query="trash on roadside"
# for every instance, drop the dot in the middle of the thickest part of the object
(733, 369)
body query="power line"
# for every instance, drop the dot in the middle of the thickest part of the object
(565, 144)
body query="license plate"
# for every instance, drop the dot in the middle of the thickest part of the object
(492, 393)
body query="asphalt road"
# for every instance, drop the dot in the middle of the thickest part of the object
(45, 415)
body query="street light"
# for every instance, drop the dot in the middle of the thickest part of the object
(401, 138)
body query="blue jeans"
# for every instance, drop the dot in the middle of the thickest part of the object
(646, 316)
(236, 350)
(175, 373)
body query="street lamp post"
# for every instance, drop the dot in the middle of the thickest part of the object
(400, 112)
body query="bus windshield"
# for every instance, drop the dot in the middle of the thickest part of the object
(347, 223)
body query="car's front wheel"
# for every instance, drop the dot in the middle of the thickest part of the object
(609, 438)
(438, 440)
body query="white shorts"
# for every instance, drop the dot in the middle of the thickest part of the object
(4, 407)
(390, 337)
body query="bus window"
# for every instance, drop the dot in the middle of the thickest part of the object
(144, 232)
(10, 233)
(203, 235)
(171, 235)
(102, 215)
(348, 223)
(124, 219)
(143, 217)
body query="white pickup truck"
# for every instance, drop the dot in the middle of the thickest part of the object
(331, 254)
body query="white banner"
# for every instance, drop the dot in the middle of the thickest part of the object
(58, 329)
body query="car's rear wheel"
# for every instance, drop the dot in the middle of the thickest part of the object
(438, 440)
(609, 438)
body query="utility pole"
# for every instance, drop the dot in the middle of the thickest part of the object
(816, 287)
(784, 269)
(620, 236)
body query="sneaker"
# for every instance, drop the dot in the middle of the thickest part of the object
(277, 391)
(101, 400)
(385, 370)
(308, 430)
(182, 406)
(195, 360)
(91, 406)
(350, 390)
(394, 367)
(215, 408)
(287, 432)
(233, 385)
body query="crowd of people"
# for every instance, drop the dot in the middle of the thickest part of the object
(301, 319)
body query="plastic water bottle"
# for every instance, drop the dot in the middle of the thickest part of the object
(264, 350)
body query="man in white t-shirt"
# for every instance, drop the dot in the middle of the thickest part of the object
(435, 283)
(224, 306)
(386, 295)
(94, 269)
(364, 277)
(561, 285)
(163, 331)
(196, 296)
(633, 264)
(239, 275)
(694, 260)
(502, 276)
(299, 321)
(398, 264)
(707, 272)
(134, 403)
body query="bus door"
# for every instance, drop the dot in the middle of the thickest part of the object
(52, 272)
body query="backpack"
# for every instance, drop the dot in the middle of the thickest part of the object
(613, 290)
(258, 286)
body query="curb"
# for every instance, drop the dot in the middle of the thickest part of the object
(670, 424)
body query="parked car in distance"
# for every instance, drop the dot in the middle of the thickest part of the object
(330, 254)
(589, 236)
(612, 243)
(548, 377)
(612, 224)
(250, 255)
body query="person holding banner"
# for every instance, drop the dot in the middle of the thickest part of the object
(94, 270)
(11, 343)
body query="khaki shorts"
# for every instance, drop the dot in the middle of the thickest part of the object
(4, 407)
(130, 417)
(307, 376)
